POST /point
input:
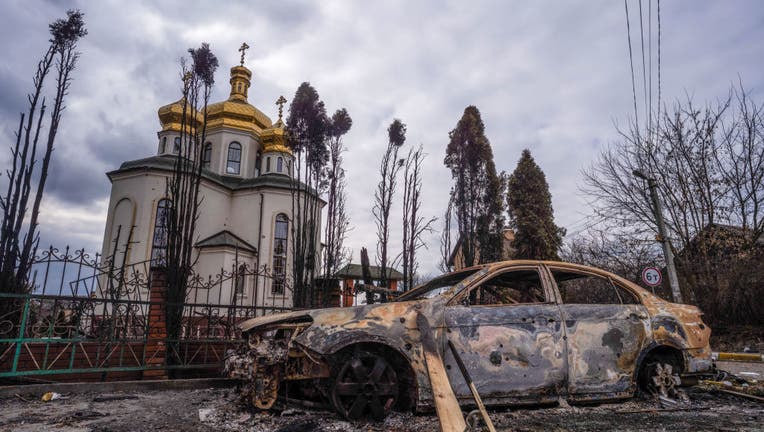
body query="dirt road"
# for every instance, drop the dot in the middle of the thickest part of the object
(215, 410)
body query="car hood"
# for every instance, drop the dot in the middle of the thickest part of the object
(272, 318)
(381, 313)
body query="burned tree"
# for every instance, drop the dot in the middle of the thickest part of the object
(446, 242)
(414, 224)
(383, 197)
(18, 244)
(530, 212)
(307, 130)
(708, 165)
(337, 218)
(477, 191)
(183, 186)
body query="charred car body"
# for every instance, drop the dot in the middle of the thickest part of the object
(528, 332)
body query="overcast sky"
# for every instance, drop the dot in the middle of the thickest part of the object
(550, 76)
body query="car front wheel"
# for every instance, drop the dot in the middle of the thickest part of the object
(364, 385)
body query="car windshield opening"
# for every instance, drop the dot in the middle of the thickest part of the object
(438, 285)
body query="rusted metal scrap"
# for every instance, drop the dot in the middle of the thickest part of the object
(522, 335)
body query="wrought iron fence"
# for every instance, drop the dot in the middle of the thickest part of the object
(84, 318)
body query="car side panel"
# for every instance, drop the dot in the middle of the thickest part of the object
(604, 343)
(511, 352)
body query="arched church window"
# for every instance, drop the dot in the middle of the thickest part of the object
(207, 155)
(176, 146)
(163, 145)
(234, 158)
(159, 240)
(280, 236)
(280, 165)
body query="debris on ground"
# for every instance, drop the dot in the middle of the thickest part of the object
(172, 410)
(50, 396)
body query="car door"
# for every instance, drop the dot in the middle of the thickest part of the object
(606, 328)
(508, 331)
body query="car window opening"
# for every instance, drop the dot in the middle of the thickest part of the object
(438, 286)
(512, 287)
(582, 288)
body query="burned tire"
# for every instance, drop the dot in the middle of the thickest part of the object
(659, 373)
(364, 386)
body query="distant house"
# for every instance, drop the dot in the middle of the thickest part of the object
(353, 273)
(456, 259)
(722, 267)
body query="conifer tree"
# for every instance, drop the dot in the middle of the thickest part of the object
(476, 195)
(530, 211)
(307, 128)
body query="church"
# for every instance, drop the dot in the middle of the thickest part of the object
(246, 191)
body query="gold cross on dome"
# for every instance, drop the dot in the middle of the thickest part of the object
(243, 49)
(280, 102)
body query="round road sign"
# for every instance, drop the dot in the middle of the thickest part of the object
(651, 276)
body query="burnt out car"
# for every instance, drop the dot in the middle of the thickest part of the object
(529, 332)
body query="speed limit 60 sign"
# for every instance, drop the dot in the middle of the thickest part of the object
(651, 276)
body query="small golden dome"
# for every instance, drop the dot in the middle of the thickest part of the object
(274, 139)
(171, 115)
(236, 112)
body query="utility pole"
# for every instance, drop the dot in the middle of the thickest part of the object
(668, 255)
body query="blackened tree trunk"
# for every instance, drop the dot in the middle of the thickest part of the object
(183, 189)
(414, 224)
(18, 243)
(307, 134)
(477, 191)
(337, 219)
(383, 197)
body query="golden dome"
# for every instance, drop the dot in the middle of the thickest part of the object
(170, 116)
(274, 139)
(236, 112)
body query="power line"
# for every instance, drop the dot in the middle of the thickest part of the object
(658, 118)
(631, 64)
(644, 73)
(650, 59)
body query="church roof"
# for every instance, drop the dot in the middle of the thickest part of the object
(226, 238)
(236, 112)
(167, 162)
(354, 271)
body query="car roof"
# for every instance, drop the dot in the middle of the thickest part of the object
(561, 264)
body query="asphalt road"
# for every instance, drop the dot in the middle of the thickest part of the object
(218, 410)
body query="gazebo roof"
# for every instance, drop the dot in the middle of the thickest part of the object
(354, 271)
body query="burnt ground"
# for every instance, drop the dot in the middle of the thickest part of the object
(217, 410)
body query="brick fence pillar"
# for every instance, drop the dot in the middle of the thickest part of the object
(348, 295)
(156, 349)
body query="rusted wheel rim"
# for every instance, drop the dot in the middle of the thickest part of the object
(663, 381)
(365, 387)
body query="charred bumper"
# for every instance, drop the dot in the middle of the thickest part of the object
(269, 356)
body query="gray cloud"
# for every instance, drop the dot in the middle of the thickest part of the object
(549, 76)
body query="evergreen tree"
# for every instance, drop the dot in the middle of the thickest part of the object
(476, 195)
(531, 214)
(307, 134)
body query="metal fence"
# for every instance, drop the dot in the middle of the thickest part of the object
(83, 318)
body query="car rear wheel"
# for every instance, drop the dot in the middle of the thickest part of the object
(364, 385)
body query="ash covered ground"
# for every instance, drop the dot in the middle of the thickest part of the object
(218, 410)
